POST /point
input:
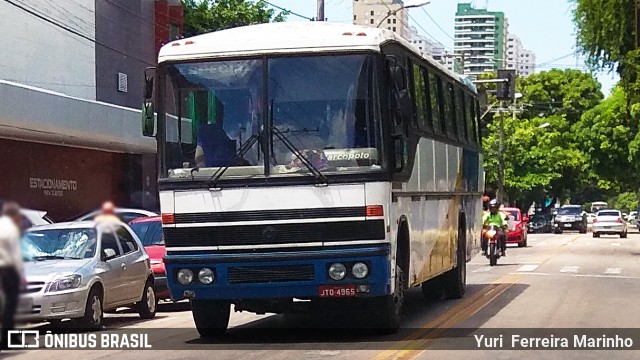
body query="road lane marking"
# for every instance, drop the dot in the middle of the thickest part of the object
(615, 244)
(483, 269)
(570, 269)
(528, 268)
(415, 343)
(531, 273)
(613, 270)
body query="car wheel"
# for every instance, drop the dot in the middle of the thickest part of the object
(93, 311)
(596, 235)
(147, 306)
(211, 317)
(623, 235)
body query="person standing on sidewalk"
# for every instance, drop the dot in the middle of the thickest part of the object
(11, 266)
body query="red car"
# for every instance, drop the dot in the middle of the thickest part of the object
(519, 235)
(149, 230)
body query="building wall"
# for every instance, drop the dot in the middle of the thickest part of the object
(41, 54)
(527, 64)
(372, 12)
(169, 21)
(126, 30)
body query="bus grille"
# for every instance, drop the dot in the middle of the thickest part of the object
(268, 274)
(275, 234)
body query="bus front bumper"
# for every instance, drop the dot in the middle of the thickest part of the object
(299, 274)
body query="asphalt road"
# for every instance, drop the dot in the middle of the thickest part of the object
(559, 281)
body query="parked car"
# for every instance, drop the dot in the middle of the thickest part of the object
(609, 222)
(590, 218)
(625, 216)
(633, 218)
(34, 218)
(80, 270)
(149, 231)
(126, 215)
(570, 217)
(517, 235)
(540, 223)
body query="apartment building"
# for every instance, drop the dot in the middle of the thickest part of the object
(385, 14)
(518, 58)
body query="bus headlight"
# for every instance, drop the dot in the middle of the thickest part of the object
(360, 270)
(337, 271)
(206, 276)
(185, 276)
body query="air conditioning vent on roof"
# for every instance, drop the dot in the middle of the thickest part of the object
(122, 82)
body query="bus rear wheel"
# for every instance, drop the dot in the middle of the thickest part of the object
(211, 317)
(456, 278)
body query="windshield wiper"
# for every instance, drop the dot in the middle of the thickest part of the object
(317, 174)
(48, 257)
(237, 156)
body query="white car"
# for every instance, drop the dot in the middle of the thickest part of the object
(590, 218)
(126, 215)
(79, 270)
(633, 218)
(609, 222)
(34, 218)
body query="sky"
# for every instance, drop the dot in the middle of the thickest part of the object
(544, 26)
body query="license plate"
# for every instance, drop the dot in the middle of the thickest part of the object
(25, 305)
(567, 225)
(607, 227)
(337, 290)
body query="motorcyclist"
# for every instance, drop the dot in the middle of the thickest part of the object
(495, 217)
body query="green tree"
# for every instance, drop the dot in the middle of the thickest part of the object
(203, 16)
(627, 201)
(608, 138)
(559, 92)
(606, 35)
(536, 159)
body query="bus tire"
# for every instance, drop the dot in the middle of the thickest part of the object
(456, 278)
(211, 317)
(390, 307)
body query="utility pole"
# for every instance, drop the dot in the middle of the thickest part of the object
(500, 193)
(320, 10)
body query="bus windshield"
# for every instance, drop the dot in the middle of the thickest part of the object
(322, 108)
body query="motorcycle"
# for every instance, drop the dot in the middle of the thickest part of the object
(492, 236)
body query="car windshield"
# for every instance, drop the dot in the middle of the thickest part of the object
(539, 218)
(323, 108)
(59, 244)
(609, 213)
(570, 211)
(149, 232)
(514, 214)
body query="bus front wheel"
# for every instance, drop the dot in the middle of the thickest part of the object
(211, 317)
(390, 307)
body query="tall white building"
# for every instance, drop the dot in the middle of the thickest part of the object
(375, 13)
(527, 64)
(521, 60)
(480, 39)
(426, 46)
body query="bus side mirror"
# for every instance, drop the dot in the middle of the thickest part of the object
(148, 83)
(399, 147)
(148, 120)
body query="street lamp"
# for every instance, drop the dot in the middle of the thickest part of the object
(544, 125)
(408, 5)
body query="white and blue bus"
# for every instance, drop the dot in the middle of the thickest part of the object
(314, 161)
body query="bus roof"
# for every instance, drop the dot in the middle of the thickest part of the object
(287, 38)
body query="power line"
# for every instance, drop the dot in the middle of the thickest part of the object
(72, 31)
(437, 25)
(288, 11)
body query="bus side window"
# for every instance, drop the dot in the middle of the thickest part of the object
(471, 116)
(449, 114)
(461, 116)
(420, 98)
(435, 104)
(477, 124)
(442, 99)
(399, 97)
